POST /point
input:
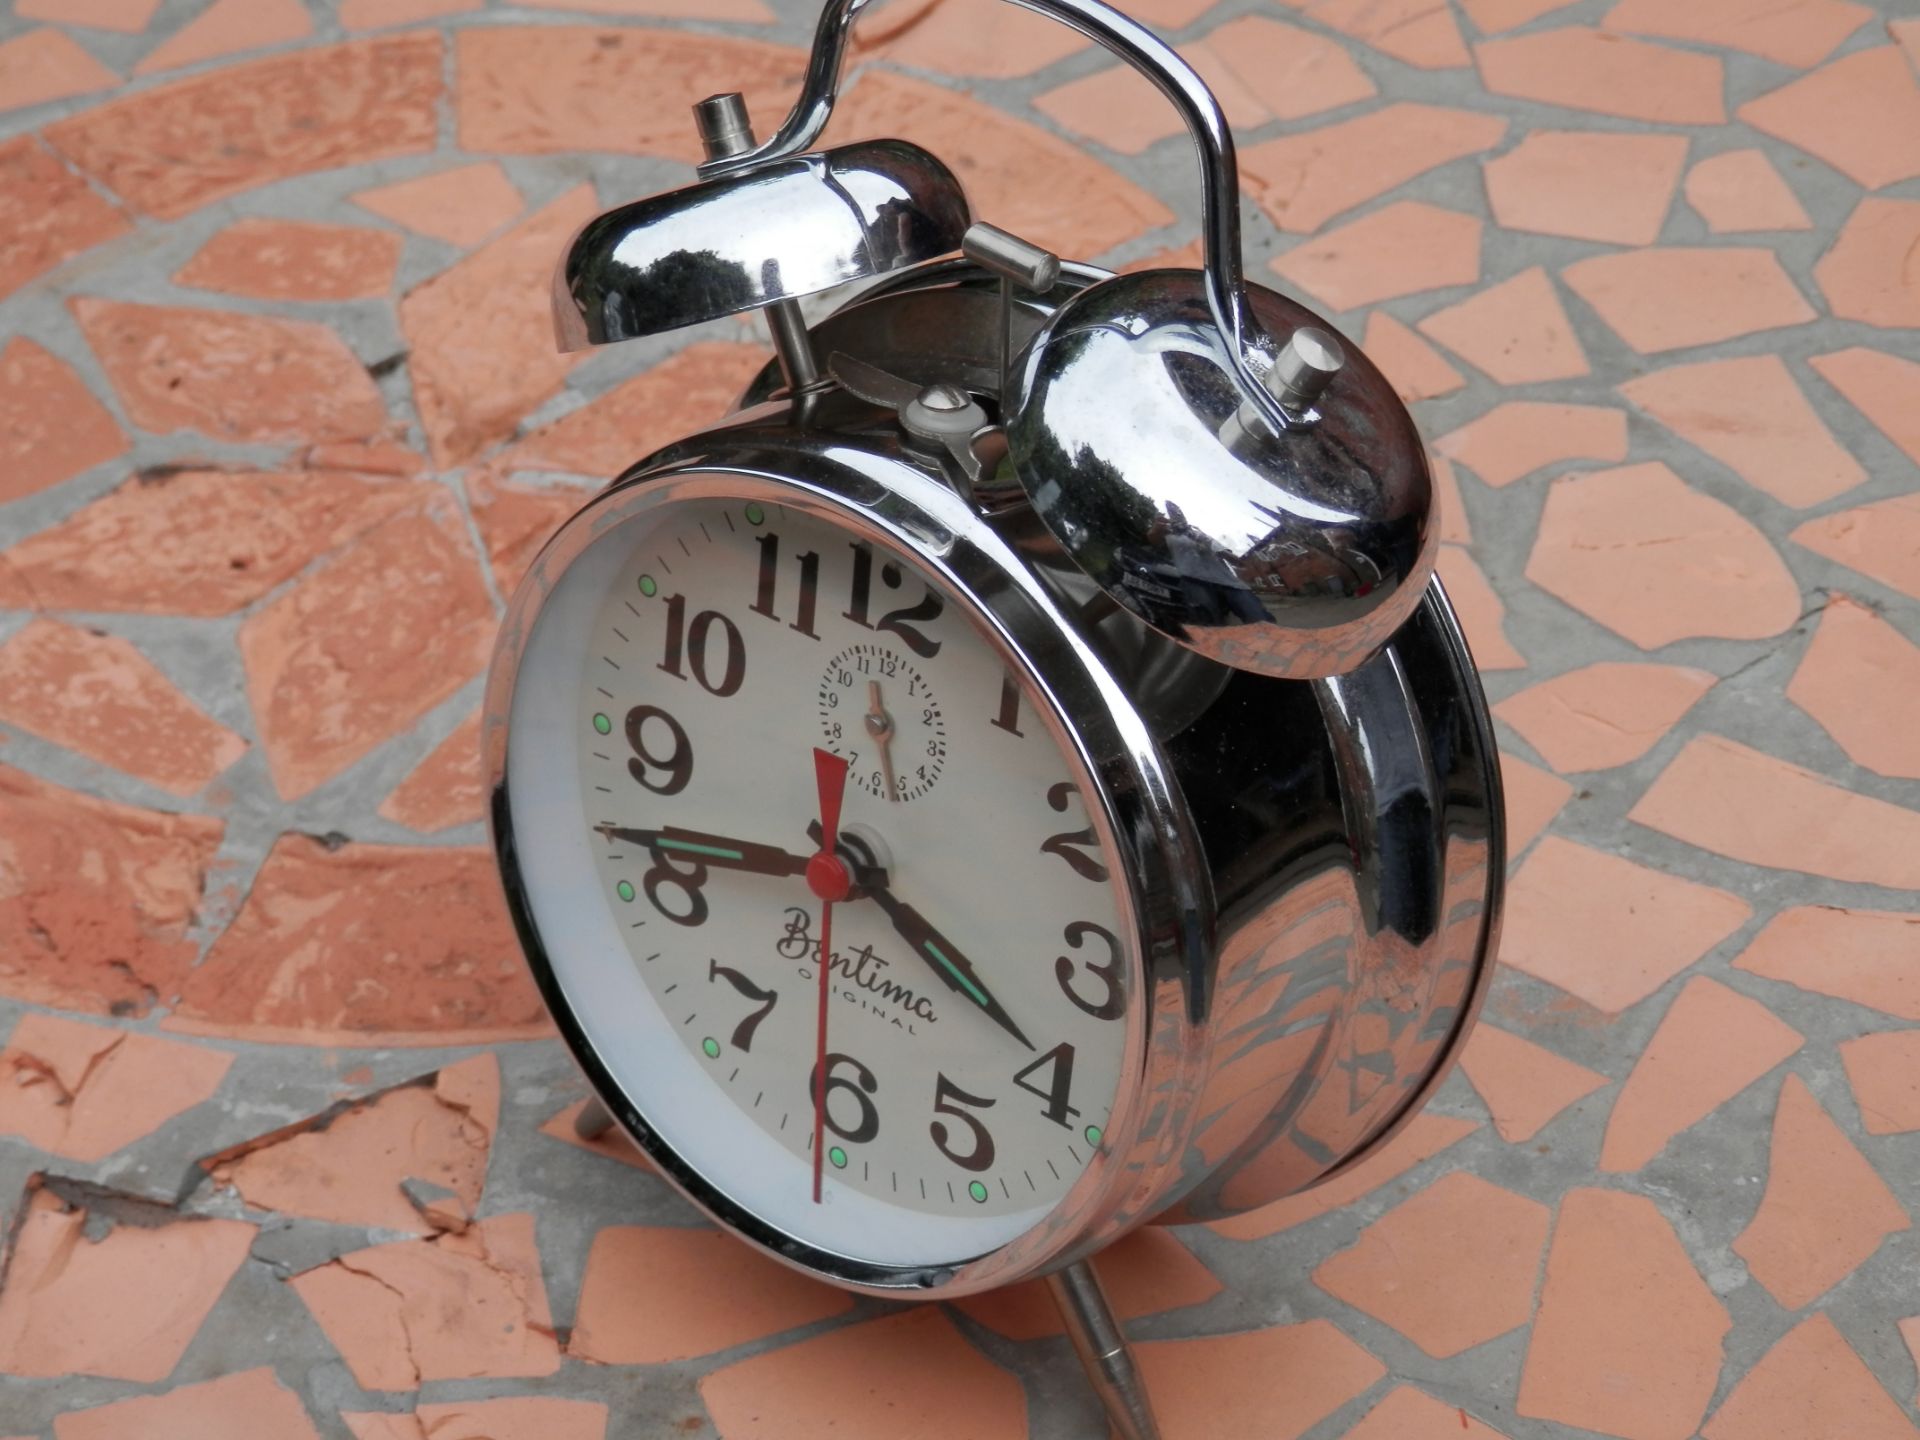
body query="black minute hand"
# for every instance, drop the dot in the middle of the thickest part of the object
(938, 952)
(718, 851)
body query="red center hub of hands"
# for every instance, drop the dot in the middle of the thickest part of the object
(828, 877)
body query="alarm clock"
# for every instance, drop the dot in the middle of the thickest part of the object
(1015, 778)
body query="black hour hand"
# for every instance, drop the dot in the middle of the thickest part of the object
(721, 852)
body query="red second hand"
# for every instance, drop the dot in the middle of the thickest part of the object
(827, 877)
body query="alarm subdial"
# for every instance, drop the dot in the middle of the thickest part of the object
(878, 712)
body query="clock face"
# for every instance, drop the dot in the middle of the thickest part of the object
(977, 983)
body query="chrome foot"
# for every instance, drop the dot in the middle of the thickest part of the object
(593, 1121)
(1102, 1347)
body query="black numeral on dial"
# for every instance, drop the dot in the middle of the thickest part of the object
(743, 1032)
(860, 1087)
(1112, 1003)
(948, 1098)
(1009, 717)
(765, 589)
(903, 623)
(1059, 1085)
(694, 641)
(1072, 845)
(677, 762)
(691, 907)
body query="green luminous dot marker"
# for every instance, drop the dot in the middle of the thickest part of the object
(649, 587)
(1093, 1134)
(838, 1157)
(711, 1047)
(978, 1191)
(603, 724)
(625, 889)
(755, 515)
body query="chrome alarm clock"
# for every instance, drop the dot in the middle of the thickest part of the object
(1017, 777)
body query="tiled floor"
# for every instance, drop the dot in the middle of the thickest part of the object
(280, 422)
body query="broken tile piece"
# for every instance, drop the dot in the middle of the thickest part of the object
(1863, 956)
(1420, 32)
(614, 1143)
(1810, 1382)
(1881, 540)
(251, 1405)
(1410, 1414)
(1416, 370)
(1674, 296)
(1752, 416)
(123, 1305)
(1825, 1211)
(1278, 1382)
(1740, 803)
(1477, 604)
(1801, 34)
(1884, 1070)
(1739, 190)
(84, 1091)
(1534, 797)
(291, 260)
(444, 789)
(1000, 43)
(513, 1417)
(1711, 1044)
(1147, 1273)
(387, 14)
(1455, 528)
(48, 214)
(1524, 1086)
(1885, 388)
(42, 65)
(1587, 184)
(1521, 436)
(227, 27)
(1639, 551)
(1586, 69)
(515, 520)
(1399, 249)
(1516, 331)
(51, 427)
(1868, 275)
(462, 206)
(1604, 714)
(1628, 1339)
(1855, 653)
(1860, 114)
(130, 17)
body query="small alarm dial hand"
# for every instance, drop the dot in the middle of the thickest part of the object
(880, 730)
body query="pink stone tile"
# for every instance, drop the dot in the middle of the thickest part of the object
(48, 214)
(1490, 17)
(1604, 714)
(1861, 956)
(444, 790)
(1753, 417)
(454, 1307)
(515, 520)
(98, 898)
(1534, 797)
(366, 945)
(1906, 34)
(1277, 1383)
(227, 27)
(1810, 1383)
(124, 1305)
(1861, 115)
(1524, 1086)
(1752, 807)
(462, 206)
(291, 260)
(51, 427)
(514, 1417)
(1668, 298)
(1884, 1070)
(230, 376)
(1881, 540)
(130, 17)
(1640, 552)
(1869, 274)
(1304, 179)
(97, 695)
(1148, 1273)
(1452, 509)
(1410, 1414)
(1739, 190)
(997, 42)
(739, 11)
(1712, 1043)
(1885, 388)
(1521, 436)
(1420, 32)
(1628, 1340)
(613, 1143)
(1801, 34)
(43, 65)
(385, 14)
(1482, 615)
(1855, 653)
(1825, 1211)
(84, 1091)
(1516, 331)
(263, 120)
(1399, 249)
(1417, 370)
(248, 1406)
(1606, 929)
(1585, 69)
(1452, 1268)
(910, 1373)
(1587, 184)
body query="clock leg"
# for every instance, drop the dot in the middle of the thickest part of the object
(593, 1121)
(1102, 1347)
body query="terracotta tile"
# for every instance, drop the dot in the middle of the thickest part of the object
(739, 11)
(1712, 1044)
(1490, 17)
(1482, 616)
(1628, 1339)
(1585, 69)
(359, 650)
(1910, 1332)
(248, 1406)
(1810, 1383)
(1801, 34)
(1278, 1383)
(260, 121)
(1881, 540)
(1739, 190)
(228, 27)
(1668, 298)
(1884, 1071)
(614, 1143)
(97, 695)
(230, 376)
(1521, 436)
(1861, 115)
(1420, 32)
(366, 944)
(51, 427)
(1170, 14)
(1868, 275)
(1825, 1211)
(1906, 34)
(1147, 1273)
(1399, 249)
(1534, 797)
(1304, 179)
(98, 897)
(1454, 526)
(444, 789)
(1425, 1136)
(1752, 807)
(1855, 653)
(1417, 370)
(44, 65)
(1640, 552)
(462, 206)
(1189, 256)
(516, 1417)
(385, 14)
(455, 1307)
(143, 547)
(481, 362)
(1863, 956)
(1587, 184)
(48, 214)
(907, 1374)
(1452, 1268)
(291, 260)
(347, 1165)
(516, 520)
(1525, 1086)
(84, 1091)
(997, 42)
(1884, 388)
(1604, 714)
(1752, 416)
(1516, 331)
(130, 17)
(124, 1304)
(1410, 1414)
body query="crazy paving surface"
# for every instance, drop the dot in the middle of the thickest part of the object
(284, 1149)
